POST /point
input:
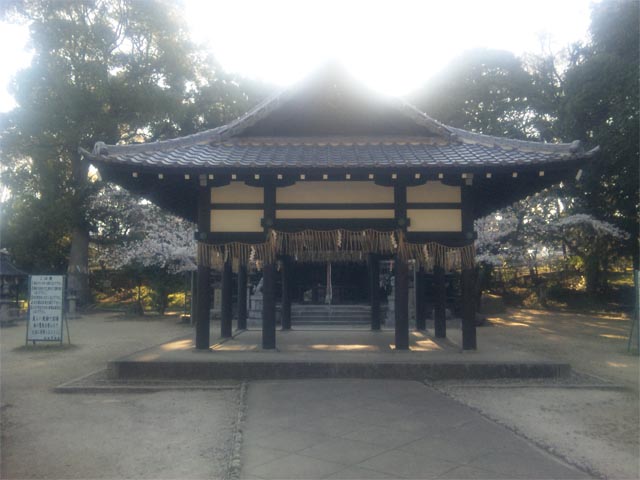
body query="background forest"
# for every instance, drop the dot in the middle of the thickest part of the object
(126, 71)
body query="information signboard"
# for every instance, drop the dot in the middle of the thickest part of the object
(46, 308)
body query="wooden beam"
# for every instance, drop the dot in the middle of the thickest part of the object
(434, 205)
(236, 206)
(194, 296)
(468, 309)
(468, 211)
(400, 203)
(295, 225)
(227, 237)
(203, 303)
(401, 270)
(226, 308)
(335, 206)
(242, 297)
(286, 293)
(440, 303)
(374, 290)
(419, 289)
(204, 214)
(268, 306)
(269, 218)
(450, 239)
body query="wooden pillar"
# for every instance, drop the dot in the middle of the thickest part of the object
(268, 306)
(440, 303)
(203, 297)
(226, 307)
(401, 270)
(203, 303)
(286, 293)
(194, 296)
(374, 290)
(242, 297)
(269, 271)
(468, 309)
(419, 289)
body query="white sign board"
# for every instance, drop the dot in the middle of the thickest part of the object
(46, 305)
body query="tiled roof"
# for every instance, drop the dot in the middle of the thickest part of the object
(345, 152)
(435, 145)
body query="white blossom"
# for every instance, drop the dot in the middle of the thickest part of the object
(153, 236)
(595, 226)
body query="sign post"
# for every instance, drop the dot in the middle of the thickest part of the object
(46, 309)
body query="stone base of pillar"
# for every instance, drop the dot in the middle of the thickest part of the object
(254, 318)
(390, 317)
(254, 315)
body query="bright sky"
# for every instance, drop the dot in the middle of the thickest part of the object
(394, 46)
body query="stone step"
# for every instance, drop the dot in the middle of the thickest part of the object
(332, 308)
(331, 311)
(333, 314)
(330, 314)
(329, 317)
(327, 323)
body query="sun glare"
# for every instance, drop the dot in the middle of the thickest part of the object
(394, 47)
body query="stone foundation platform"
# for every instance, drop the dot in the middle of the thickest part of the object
(347, 353)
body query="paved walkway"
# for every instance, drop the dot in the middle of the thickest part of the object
(379, 429)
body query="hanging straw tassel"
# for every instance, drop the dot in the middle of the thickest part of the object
(245, 254)
(334, 245)
(431, 254)
(323, 245)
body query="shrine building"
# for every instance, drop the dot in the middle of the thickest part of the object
(327, 173)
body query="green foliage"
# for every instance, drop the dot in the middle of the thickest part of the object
(590, 93)
(102, 70)
(602, 107)
(162, 283)
(139, 289)
(43, 249)
(486, 91)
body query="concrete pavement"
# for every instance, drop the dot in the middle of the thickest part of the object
(349, 428)
(336, 353)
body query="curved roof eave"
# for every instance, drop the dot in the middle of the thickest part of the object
(277, 100)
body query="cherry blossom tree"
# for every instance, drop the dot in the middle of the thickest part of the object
(539, 231)
(593, 241)
(136, 236)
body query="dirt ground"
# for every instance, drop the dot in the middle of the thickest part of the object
(153, 435)
(159, 435)
(596, 429)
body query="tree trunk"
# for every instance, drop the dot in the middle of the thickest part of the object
(592, 273)
(604, 277)
(78, 269)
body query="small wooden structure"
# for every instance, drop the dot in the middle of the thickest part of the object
(326, 171)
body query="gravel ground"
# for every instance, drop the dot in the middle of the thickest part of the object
(592, 418)
(166, 434)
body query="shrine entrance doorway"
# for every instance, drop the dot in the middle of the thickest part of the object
(330, 283)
